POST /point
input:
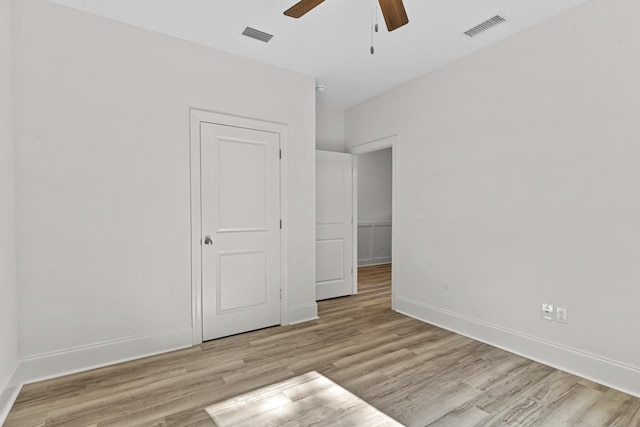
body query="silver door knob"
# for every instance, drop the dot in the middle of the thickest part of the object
(208, 241)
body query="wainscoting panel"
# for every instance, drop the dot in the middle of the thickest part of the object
(374, 242)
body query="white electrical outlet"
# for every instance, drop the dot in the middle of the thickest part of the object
(561, 315)
(547, 312)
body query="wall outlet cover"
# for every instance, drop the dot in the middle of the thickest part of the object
(561, 315)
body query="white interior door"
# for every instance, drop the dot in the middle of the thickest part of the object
(334, 225)
(240, 196)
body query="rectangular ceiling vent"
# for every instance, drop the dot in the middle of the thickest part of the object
(486, 25)
(257, 34)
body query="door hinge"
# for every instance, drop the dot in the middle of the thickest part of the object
(351, 221)
(280, 224)
(280, 154)
(281, 293)
(352, 271)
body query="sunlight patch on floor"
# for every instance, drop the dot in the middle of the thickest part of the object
(309, 399)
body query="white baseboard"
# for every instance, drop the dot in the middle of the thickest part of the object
(9, 390)
(302, 313)
(53, 365)
(607, 372)
(372, 262)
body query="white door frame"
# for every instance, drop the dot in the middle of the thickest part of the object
(368, 147)
(196, 117)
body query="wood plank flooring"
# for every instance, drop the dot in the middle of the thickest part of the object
(308, 399)
(416, 373)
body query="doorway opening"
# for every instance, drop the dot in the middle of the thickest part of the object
(375, 203)
(374, 220)
(355, 203)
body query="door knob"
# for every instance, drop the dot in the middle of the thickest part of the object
(208, 241)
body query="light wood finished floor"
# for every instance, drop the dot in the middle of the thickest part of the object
(416, 373)
(308, 399)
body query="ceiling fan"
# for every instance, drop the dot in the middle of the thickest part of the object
(394, 13)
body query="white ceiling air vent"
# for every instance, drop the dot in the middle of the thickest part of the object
(486, 25)
(257, 34)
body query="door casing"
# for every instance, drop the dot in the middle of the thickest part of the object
(392, 142)
(196, 117)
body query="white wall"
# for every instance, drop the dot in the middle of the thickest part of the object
(8, 283)
(524, 159)
(374, 186)
(102, 130)
(329, 128)
(374, 207)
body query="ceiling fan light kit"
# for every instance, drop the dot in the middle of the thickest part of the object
(395, 15)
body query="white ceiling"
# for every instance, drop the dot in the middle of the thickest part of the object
(332, 41)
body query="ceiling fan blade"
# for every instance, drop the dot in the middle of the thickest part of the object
(394, 13)
(301, 8)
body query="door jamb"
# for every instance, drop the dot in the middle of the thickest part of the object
(368, 147)
(196, 117)
(354, 223)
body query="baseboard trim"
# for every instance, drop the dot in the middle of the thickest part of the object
(58, 364)
(610, 373)
(371, 263)
(9, 391)
(303, 313)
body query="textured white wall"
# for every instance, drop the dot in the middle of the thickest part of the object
(524, 160)
(102, 129)
(8, 283)
(374, 186)
(329, 129)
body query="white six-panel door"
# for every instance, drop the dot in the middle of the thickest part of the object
(240, 200)
(334, 225)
